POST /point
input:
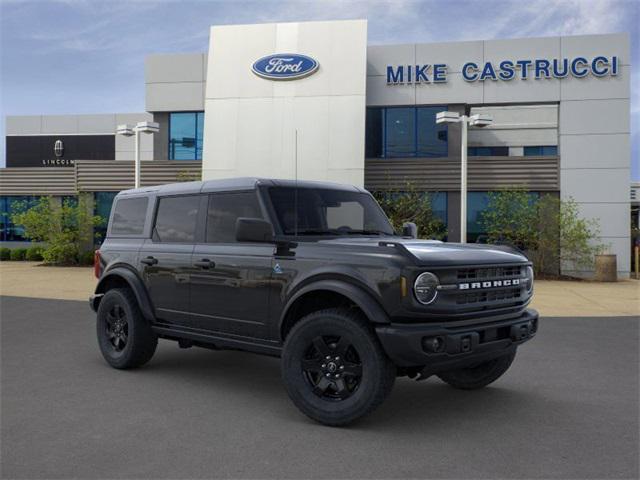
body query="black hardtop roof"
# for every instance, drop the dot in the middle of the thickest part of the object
(231, 184)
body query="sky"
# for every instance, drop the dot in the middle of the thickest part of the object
(87, 56)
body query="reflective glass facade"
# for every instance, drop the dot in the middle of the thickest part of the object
(541, 151)
(405, 132)
(185, 135)
(103, 201)
(477, 203)
(9, 232)
(488, 151)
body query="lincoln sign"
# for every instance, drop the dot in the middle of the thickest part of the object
(506, 70)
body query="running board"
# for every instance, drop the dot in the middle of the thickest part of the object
(220, 342)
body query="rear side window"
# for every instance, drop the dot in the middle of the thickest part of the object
(176, 219)
(129, 215)
(224, 210)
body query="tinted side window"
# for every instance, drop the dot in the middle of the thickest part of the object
(176, 219)
(224, 210)
(129, 215)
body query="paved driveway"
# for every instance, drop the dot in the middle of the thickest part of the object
(567, 408)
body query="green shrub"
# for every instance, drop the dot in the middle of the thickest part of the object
(18, 254)
(66, 228)
(548, 228)
(407, 204)
(5, 253)
(34, 254)
(86, 258)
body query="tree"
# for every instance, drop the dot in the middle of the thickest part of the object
(549, 229)
(407, 204)
(65, 228)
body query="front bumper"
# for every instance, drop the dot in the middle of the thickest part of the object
(452, 345)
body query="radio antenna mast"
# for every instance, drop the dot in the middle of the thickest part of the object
(295, 190)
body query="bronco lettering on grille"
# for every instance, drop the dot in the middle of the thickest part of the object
(489, 284)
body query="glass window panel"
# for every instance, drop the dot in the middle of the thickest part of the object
(439, 205)
(103, 201)
(532, 151)
(199, 134)
(176, 219)
(224, 209)
(477, 202)
(129, 216)
(551, 150)
(432, 137)
(182, 136)
(374, 132)
(400, 132)
(11, 205)
(318, 211)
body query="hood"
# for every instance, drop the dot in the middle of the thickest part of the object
(436, 253)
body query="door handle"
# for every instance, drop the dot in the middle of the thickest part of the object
(149, 261)
(204, 263)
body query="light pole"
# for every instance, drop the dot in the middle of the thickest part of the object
(128, 131)
(477, 120)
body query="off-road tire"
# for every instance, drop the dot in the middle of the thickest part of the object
(140, 343)
(335, 326)
(479, 376)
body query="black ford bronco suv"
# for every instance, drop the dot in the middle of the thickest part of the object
(313, 273)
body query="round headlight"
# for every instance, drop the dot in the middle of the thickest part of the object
(425, 288)
(530, 279)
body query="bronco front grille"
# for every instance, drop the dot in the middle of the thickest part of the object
(490, 296)
(491, 272)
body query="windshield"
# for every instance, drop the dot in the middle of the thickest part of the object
(328, 212)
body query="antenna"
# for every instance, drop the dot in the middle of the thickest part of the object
(295, 190)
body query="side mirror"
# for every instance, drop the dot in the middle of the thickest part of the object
(255, 230)
(410, 229)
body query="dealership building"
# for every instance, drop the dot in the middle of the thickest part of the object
(312, 100)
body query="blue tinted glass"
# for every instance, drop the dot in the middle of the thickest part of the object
(374, 132)
(532, 151)
(477, 202)
(185, 135)
(432, 138)
(102, 208)
(439, 205)
(199, 134)
(9, 232)
(540, 151)
(400, 138)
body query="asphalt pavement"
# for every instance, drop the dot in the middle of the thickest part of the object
(567, 408)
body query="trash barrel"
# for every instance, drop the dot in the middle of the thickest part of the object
(606, 268)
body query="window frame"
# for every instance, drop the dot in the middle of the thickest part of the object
(196, 114)
(197, 234)
(416, 129)
(142, 234)
(205, 222)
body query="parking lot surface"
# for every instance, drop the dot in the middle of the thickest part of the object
(568, 408)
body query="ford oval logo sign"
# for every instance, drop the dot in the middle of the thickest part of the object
(285, 66)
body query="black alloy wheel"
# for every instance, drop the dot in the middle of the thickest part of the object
(125, 338)
(117, 327)
(332, 367)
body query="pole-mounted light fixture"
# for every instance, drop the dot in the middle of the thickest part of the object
(477, 120)
(128, 131)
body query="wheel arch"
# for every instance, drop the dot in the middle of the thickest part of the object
(119, 277)
(337, 292)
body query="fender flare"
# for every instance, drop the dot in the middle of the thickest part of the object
(136, 285)
(364, 300)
